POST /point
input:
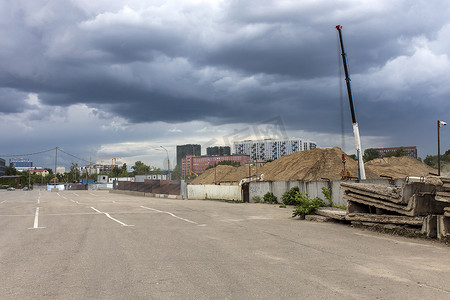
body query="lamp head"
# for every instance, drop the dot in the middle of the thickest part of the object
(442, 123)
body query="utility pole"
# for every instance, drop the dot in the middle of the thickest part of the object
(56, 163)
(168, 163)
(439, 124)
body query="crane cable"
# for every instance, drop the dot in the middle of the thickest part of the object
(341, 93)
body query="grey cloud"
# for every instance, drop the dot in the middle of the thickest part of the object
(248, 61)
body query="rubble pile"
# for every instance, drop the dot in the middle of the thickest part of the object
(421, 204)
(443, 222)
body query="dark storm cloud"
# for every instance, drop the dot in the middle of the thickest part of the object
(236, 62)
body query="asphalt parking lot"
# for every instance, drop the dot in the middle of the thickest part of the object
(100, 245)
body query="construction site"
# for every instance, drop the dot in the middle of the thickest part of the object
(399, 193)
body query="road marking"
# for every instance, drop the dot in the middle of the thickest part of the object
(173, 215)
(106, 214)
(93, 194)
(36, 220)
(62, 196)
(3, 201)
(76, 194)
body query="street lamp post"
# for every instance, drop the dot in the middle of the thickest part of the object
(439, 125)
(168, 163)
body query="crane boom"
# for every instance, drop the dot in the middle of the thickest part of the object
(361, 171)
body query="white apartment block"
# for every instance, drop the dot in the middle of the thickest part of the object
(271, 149)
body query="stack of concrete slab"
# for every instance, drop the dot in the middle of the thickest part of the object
(408, 206)
(443, 221)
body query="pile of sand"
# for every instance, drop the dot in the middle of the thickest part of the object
(224, 173)
(316, 165)
(312, 165)
(399, 167)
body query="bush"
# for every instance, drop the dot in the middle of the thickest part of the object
(270, 198)
(307, 206)
(256, 199)
(288, 198)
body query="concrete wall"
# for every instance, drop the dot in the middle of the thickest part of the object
(211, 191)
(100, 186)
(314, 188)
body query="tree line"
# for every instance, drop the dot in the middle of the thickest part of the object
(24, 178)
(431, 160)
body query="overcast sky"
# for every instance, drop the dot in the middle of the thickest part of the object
(120, 78)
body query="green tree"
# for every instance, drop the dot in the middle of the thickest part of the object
(140, 168)
(353, 156)
(115, 172)
(176, 174)
(10, 171)
(397, 153)
(370, 154)
(74, 174)
(124, 171)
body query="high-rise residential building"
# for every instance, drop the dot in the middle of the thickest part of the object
(21, 164)
(189, 149)
(2, 167)
(271, 149)
(218, 150)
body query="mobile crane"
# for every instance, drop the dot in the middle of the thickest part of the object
(361, 171)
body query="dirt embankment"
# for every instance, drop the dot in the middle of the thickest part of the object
(400, 167)
(315, 165)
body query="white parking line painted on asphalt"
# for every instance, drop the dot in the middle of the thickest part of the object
(106, 214)
(3, 201)
(36, 220)
(173, 215)
(93, 194)
(76, 194)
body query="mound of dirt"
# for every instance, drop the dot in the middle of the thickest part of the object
(399, 167)
(315, 165)
(312, 165)
(224, 173)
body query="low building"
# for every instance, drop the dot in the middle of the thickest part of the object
(128, 179)
(99, 168)
(410, 150)
(198, 164)
(142, 178)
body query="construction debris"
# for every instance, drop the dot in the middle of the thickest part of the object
(419, 202)
(331, 212)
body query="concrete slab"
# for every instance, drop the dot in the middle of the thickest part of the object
(418, 205)
(443, 227)
(385, 219)
(317, 218)
(429, 226)
(331, 212)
